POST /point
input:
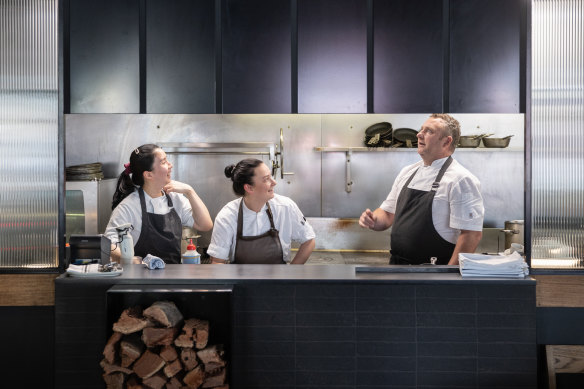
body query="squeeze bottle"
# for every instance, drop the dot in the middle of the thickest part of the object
(191, 256)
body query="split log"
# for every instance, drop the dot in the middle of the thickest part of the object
(164, 312)
(131, 321)
(133, 383)
(189, 358)
(109, 368)
(173, 383)
(194, 329)
(201, 334)
(212, 354)
(158, 336)
(168, 353)
(148, 364)
(214, 380)
(172, 368)
(157, 381)
(109, 352)
(114, 380)
(195, 377)
(130, 349)
(212, 367)
(184, 341)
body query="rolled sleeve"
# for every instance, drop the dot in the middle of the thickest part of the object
(466, 206)
(301, 230)
(222, 238)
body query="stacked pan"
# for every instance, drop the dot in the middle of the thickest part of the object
(383, 135)
(378, 135)
(85, 172)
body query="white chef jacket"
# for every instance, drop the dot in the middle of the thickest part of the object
(457, 205)
(288, 220)
(130, 211)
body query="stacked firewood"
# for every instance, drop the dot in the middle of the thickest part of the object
(156, 348)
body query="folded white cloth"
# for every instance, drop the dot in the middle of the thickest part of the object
(478, 265)
(152, 262)
(83, 269)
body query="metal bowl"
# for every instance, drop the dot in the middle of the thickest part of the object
(469, 141)
(497, 142)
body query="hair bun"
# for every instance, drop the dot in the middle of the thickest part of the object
(229, 171)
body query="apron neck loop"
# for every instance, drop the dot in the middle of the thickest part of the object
(240, 218)
(443, 169)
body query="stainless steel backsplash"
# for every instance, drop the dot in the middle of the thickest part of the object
(318, 182)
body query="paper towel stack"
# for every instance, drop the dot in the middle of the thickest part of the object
(479, 265)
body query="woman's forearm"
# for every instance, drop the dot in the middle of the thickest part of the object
(303, 253)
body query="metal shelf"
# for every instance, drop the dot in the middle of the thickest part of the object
(405, 149)
(261, 148)
(350, 150)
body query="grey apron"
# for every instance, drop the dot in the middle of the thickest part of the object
(414, 240)
(262, 249)
(160, 234)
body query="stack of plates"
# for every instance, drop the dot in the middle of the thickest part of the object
(85, 172)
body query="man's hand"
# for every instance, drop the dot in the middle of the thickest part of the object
(378, 220)
(367, 219)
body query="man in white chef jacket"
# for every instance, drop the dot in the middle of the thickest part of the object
(435, 207)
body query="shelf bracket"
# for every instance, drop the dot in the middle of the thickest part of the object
(348, 181)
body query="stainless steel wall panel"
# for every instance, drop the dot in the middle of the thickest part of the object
(28, 129)
(318, 182)
(557, 129)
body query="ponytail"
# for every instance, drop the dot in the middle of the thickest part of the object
(141, 160)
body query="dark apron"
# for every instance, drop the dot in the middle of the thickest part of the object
(414, 240)
(264, 249)
(160, 234)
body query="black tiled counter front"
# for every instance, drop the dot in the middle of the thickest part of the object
(329, 327)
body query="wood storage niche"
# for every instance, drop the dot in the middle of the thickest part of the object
(168, 336)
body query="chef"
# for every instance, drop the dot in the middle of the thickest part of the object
(156, 206)
(435, 207)
(259, 226)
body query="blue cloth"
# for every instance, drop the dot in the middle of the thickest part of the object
(152, 262)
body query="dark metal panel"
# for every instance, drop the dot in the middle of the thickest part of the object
(180, 56)
(407, 51)
(332, 56)
(104, 56)
(256, 56)
(485, 56)
(560, 325)
(28, 347)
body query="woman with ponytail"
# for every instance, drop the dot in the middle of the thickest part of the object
(259, 226)
(155, 205)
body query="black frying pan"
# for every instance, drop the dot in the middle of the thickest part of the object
(383, 129)
(378, 132)
(405, 136)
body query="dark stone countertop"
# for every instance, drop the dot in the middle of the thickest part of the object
(213, 274)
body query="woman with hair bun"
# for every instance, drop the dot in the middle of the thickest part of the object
(155, 205)
(259, 226)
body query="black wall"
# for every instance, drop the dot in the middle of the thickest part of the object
(27, 335)
(295, 56)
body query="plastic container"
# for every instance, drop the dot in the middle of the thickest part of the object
(191, 256)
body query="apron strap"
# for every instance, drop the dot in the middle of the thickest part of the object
(240, 218)
(269, 212)
(143, 206)
(436, 183)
